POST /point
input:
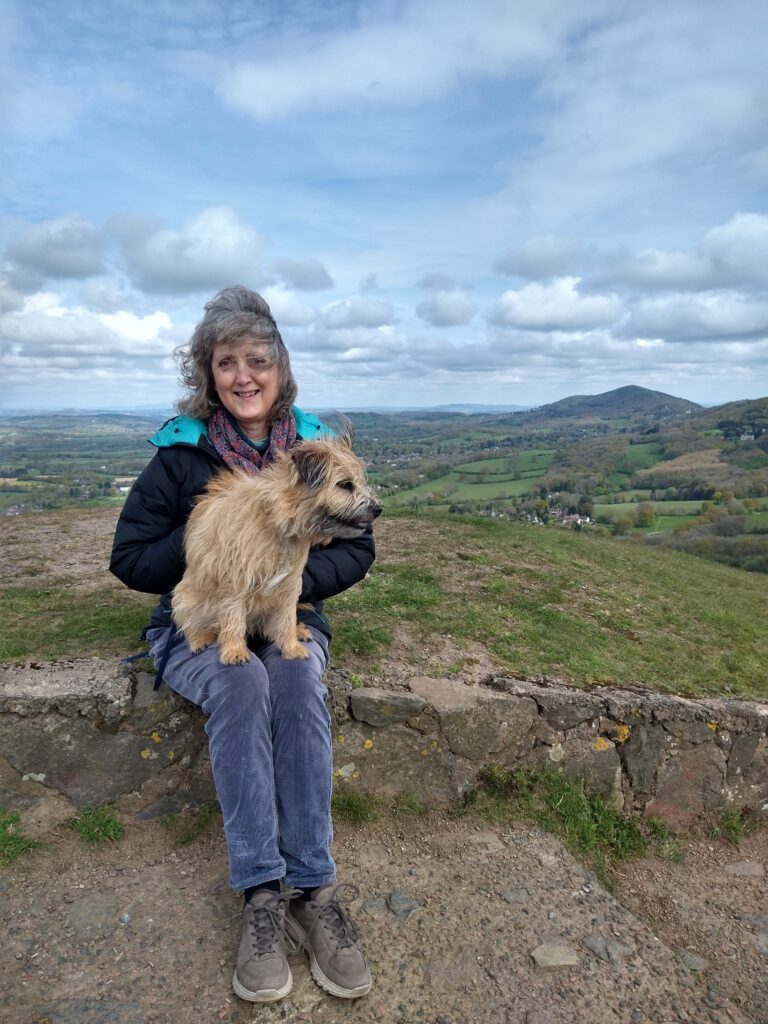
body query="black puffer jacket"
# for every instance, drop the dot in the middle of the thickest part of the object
(148, 553)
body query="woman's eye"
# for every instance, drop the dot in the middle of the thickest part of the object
(346, 484)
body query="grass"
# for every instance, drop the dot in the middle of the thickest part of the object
(96, 825)
(57, 621)
(13, 842)
(639, 456)
(664, 840)
(352, 807)
(186, 828)
(465, 489)
(663, 508)
(356, 808)
(588, 826)
(732, 825)
(584, 608)
(537, 459)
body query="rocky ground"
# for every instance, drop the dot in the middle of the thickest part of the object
(462, 923)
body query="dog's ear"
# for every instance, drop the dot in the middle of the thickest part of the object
(346, 432)
(311, 465)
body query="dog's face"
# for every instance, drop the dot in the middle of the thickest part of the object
(337, 502)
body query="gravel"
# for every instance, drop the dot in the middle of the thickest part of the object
(121, 935)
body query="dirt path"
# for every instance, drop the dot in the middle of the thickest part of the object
(145, 933)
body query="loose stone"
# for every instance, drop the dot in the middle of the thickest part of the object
(402, 905)
(608, 949)
(555, 954)
(746, 869)
(692, 961)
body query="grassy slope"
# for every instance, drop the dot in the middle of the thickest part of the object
(585, 608)
(539, 600)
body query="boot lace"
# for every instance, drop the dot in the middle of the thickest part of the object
(267, 921)
(335, 918)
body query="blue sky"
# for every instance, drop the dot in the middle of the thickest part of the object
(443, 202)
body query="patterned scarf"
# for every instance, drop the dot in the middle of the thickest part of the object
(237, 452)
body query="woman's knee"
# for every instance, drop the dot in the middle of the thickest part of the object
(238, 689)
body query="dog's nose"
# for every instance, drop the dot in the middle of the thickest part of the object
(376, 510)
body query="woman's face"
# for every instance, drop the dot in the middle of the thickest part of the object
(247, 381)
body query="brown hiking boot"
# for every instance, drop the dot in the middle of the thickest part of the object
(323, 927)
(262, 974)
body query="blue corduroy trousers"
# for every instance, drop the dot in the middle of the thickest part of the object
(269, 739)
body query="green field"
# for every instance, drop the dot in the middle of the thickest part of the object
(534, 460)
(509, 476)
(663, 508)
(639, 456)
(664, 524)
(496, 487)
(635, 494)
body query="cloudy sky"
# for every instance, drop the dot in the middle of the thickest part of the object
(487, 202)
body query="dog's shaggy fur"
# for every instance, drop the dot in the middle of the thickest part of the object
(247, 541)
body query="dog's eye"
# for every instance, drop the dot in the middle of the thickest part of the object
(346, 484)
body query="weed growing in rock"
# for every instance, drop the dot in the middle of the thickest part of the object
(351, 806)
(355, 681)
(663, 840)
(731, 826)
(13, 842)
(186, 828)
(588, 826)
(407, 804)
(97, 825)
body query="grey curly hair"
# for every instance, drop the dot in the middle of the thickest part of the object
(232, 317)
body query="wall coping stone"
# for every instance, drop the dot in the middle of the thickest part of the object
(64, 726)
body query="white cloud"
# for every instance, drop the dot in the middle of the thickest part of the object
(446, 308)
(304, 275)
(288, 309)
(438, 282)
(64, 247)
(47, 336)
(542, 257)
(212, 250)
(555, 306)
(357, 312)
(739, 248)
(105, 296)
(732, 254)
(715, 315)
(431, 48)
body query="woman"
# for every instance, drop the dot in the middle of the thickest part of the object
(267, 722)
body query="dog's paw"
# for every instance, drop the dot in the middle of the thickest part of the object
(294, 650)
(199, 641)
(234, 655)
(302, 632)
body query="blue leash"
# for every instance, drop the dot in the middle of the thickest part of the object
(163, 661)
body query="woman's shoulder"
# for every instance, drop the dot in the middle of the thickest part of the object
(308, 426)
(179, 430)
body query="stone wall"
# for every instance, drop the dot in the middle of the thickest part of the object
(93, 731)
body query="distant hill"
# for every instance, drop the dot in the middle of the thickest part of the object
(628, 401)
(750, 413)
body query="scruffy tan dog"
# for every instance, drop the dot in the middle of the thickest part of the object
(247, 541)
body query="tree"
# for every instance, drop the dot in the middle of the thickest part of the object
(646, 514)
